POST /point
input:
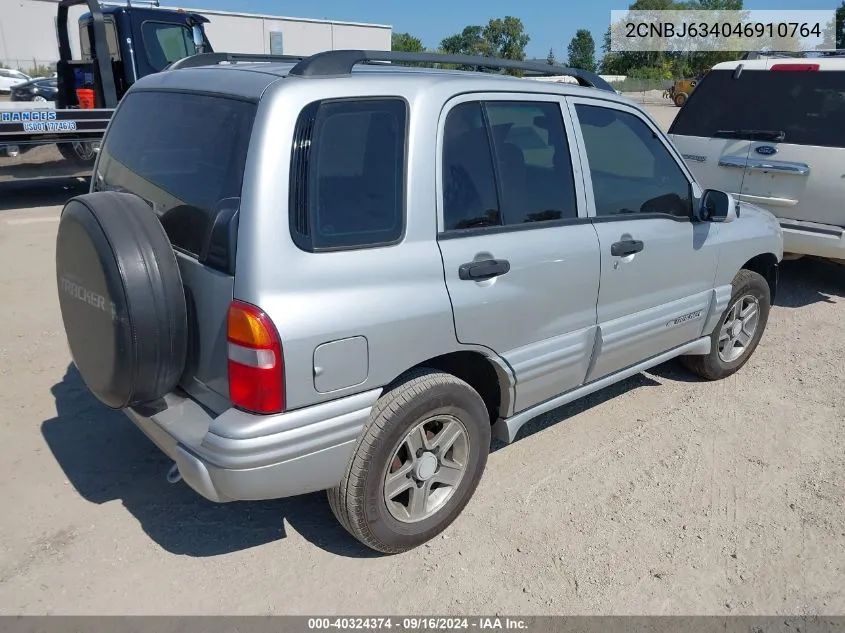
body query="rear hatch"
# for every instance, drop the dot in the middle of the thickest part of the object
(184, 154)
(774, 135)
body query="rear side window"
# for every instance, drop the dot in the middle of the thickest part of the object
(807, 106)
(183, 153)
(348, 174)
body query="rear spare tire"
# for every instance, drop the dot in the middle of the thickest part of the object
(121, 298)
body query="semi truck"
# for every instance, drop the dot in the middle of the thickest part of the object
(120, 43)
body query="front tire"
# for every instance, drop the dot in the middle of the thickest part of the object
(417, 464)
(739, 331)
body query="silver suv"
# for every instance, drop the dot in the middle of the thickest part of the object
(329, 274)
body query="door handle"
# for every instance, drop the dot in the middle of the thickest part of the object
(759, 164)
(485, 269)
(626, 247)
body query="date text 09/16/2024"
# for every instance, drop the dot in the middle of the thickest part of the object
(417, 623)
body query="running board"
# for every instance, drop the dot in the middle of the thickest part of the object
(506, 430)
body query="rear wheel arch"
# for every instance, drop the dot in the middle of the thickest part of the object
(489, 378)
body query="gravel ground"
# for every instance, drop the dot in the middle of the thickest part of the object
(661, 495)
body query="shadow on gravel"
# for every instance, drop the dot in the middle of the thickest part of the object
(809, 280)
(40, 193)
(106, 458)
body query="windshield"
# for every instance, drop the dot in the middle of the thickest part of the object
(805, 108)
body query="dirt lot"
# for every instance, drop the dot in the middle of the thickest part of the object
(661, 495)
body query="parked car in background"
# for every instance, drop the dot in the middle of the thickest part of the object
(771, 131)
(10, 78)
(41, 89)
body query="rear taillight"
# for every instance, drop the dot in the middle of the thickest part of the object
(256, 365)
(795, 67)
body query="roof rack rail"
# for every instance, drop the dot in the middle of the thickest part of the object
(822, 52)
(341, 62)
(212, 59)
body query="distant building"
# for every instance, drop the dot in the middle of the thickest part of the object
(28, 33)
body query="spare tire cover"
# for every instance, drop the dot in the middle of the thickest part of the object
(121, 298)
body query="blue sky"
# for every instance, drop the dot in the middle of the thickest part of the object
(548, 24)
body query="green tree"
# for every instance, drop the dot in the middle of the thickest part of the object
(612, 63)
(834, 31)
(839, 26)
(406, 43)
(654, 5)
(582, 51)
(468, 42)
(499, 38)
(506, 38)
(550, 58)
(666, 64)
(716, 5)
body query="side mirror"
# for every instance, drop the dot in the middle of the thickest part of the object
(717, 206)
(199, 43)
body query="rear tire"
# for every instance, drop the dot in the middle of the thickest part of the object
(733, 340)
(401, 490)
(680, 99)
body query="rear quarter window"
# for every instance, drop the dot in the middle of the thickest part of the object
(808, 107)
(348, 174)
(182, 153)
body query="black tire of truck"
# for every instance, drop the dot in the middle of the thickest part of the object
(121, 298)
(81, 154)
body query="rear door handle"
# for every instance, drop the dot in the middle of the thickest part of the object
(485, 269)
(626, 247)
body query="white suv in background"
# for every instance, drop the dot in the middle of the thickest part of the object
(771, 131)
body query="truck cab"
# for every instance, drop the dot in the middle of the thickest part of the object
(119, 44)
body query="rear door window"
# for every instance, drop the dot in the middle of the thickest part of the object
(183, 153)
(808, 107)
(348, 174)
(532, 161)
(506, 163)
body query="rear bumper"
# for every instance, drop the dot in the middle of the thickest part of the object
(811, 238)
(239, 456)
